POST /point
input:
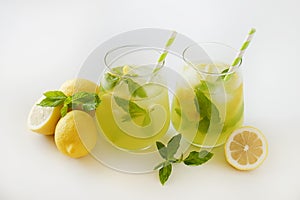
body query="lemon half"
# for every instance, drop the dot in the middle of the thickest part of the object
(43, 119)
(246, 148)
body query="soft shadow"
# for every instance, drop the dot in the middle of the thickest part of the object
(219, 156)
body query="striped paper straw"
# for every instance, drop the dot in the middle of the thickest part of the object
(163, 56)
(241, 52)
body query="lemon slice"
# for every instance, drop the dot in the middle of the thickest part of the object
(246, 148)
(43, 120)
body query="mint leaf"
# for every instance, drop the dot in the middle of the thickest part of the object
(133, 110)
(167, 152)
(123, 103)
(89, 101)
(49, 102)
(136, 111)
(164, 173)
(110, 81)
(204, 104)
(55, 95)
(208, 111)
(203, 125)
(197, 158)
(162, 149)
(64, 110)
(68, 100)
(118, 70)
(85, 100)
(81, 96)
(173, 146)
(53, 99)
(135, 89)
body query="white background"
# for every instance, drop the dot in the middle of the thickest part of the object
(44, 43)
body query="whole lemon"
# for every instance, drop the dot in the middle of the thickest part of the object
(72, 86)
(76, 134)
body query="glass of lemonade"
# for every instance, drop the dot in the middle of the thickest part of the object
(134, 111)
(212, 106)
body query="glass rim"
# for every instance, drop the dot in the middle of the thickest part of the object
(136, 48)
(233, 70)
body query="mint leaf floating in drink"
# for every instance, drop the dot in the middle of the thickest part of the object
(240, 54)
(167, 152)
(109, 81)
(133, 110)
(207, 110)
(84, 100)
(135, 89)
(123, 73)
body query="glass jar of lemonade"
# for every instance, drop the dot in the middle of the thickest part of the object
(134, 111)
(213, 103)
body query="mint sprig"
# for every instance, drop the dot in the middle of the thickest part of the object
(80, 100)
(115, 77)
(167, 152)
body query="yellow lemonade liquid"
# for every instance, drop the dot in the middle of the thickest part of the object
(208, 112)
(134, 131)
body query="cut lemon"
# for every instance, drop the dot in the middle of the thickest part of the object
(43, 120)
(246, 148)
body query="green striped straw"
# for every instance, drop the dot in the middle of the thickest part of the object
(163, 56)
(241, 52)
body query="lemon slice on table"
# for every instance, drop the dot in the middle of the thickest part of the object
(43, 120)
(246, 148)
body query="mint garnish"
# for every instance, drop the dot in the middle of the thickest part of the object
(83, 100)
(167, 152)
(111, 80)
